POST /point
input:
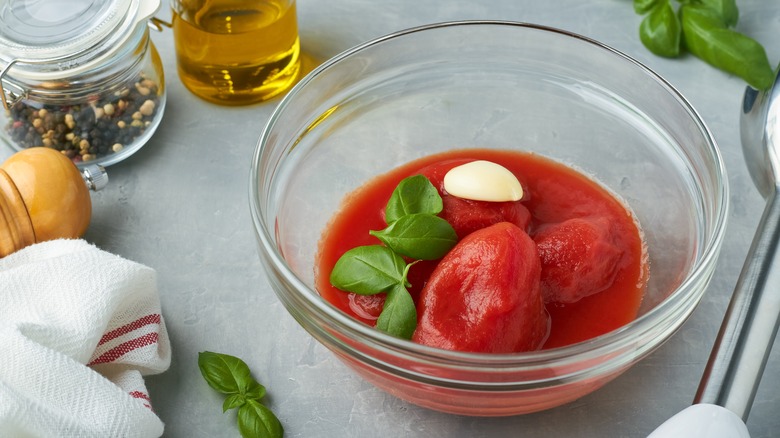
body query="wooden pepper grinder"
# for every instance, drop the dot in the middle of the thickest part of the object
(43, 196)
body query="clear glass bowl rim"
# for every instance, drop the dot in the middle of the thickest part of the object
(613, 342)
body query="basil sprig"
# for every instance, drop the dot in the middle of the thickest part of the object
(413, 231)
(230, 375)
(703, 27)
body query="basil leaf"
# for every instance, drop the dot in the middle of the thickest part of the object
(706, 36)
(660, 30)
(255, 390)
(368, 270)
(725, 9)
(419, 236)
(641, 7)
(414, 194)
(233, 401)
(257, 421)
(399, 316)
(225, 373)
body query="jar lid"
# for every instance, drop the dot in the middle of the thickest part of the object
(64, 36)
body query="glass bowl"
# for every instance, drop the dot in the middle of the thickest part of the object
(500, 85)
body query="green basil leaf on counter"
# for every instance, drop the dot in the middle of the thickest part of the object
(224, 373)
(257, 421)
(660, 30)
(233, 401)
(726, 10)
(414, 194)
(255, 390)
(231, 375)
(419, 236)
(705, 32)
(399, 314)
(368, 270)
(706, 36)
(642, 7)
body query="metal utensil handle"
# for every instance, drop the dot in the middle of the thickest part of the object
(746, 336)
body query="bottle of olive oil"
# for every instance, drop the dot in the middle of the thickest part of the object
(236, 52)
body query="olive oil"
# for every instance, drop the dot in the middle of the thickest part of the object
(236, 52)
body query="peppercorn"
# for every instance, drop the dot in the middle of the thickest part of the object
(90, 130)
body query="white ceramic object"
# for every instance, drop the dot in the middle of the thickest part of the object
(703, 421)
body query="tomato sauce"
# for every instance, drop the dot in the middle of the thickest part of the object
(554, 194)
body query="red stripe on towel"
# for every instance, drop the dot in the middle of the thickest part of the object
(141, 395)
(125, 347)
(127, 328)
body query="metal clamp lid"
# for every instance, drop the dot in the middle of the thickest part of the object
(7, 92)
(10, 92)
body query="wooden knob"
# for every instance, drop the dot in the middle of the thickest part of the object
(42, 197)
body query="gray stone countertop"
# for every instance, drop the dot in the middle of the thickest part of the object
(180, 205)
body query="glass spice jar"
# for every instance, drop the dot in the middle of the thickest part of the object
(82, 77)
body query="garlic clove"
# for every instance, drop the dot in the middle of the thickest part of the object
(483, 181)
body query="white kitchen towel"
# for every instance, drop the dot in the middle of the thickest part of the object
(79, 328)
